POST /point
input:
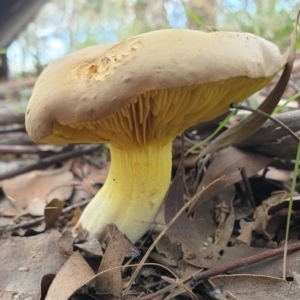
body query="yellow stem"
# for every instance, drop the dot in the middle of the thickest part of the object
(133, 192)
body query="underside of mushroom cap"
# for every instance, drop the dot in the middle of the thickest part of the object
(155, 84)
(159, 115)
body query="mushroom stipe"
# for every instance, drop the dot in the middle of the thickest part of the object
(137, 96)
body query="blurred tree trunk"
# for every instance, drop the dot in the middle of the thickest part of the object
(204, 10)
(3, 66)
(150, 15)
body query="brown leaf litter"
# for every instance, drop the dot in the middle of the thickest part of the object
(234, 202)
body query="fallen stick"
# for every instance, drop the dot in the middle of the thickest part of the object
(47, 161)
(36, 221)
(223, 268)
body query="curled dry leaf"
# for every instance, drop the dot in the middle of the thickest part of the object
(73, 275)
(45, 284)
(196, 249)
(31, 192)
(249, 287)
(52, 212)
(91, 247)
(273, 213)
(245, 236)
(275, 198)
(228, 161)
(119, 247)
(24, 261)
(76, 215)
(278, 215)
(66, 243)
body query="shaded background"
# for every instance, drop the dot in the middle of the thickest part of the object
(36, 32)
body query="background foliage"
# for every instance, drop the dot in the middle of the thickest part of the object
(64, 26)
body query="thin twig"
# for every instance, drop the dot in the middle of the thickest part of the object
(223, 268)
(36, 221)
(12, 129)
(23, 149)
(47, 161)
(262, 113)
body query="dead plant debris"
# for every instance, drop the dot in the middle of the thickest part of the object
(228, 212)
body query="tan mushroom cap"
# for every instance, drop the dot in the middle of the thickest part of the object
(158, 83)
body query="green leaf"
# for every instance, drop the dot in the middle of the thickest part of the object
(193, 16)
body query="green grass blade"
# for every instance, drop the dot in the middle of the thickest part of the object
(193, 16)
(280, 107)
(288, 221)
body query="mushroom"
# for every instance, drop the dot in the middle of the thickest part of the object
(137, 96)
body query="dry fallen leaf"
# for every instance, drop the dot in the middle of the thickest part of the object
(285, 148)
(5, 295)
(275, 198)
(7, 210)
(90, 175)
(193, 244)
(272, 215)
(52, 212)
(203, 217)
(45, 284)
(31, 192)
(229, 161)
(73, 274)
(196, 249)
(24, 261)
(270, 132)
(249, 287)
(245, 236)
(66, 243)
(171, 254)
(119, 246)
(91, 247)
